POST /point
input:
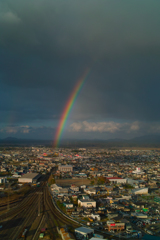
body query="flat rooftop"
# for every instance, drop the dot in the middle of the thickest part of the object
(84, 230)
(30, 175)
(65, 166)
(87, 200)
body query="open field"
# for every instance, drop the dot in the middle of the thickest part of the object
(77, 181)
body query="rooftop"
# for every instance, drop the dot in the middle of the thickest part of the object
(30, 175)
(84, 230)
(87, 200)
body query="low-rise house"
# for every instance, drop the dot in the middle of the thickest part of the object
(74, 188)
(96, 216)
(68, 205)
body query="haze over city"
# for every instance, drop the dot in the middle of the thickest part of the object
(46, 46)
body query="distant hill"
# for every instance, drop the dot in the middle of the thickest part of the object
(147, 138)
(143, 141)
(9, 139)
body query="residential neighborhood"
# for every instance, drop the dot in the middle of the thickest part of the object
(110, 191)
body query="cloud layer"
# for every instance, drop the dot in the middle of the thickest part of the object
(45, 46)
(114, 127)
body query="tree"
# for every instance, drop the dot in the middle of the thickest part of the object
(92, 182)
(101, 180)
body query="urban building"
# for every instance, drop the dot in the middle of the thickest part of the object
(65, 168)
(140, 191)
(116, 180)
(29, 178)
(87, 203)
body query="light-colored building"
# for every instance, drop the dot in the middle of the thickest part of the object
(87, 203)
(55, 188)
(29, 178)
(96, 216)
(140, 191)
(116, 180)
(74, 188)
(65, 168)
(90, 190)
(138, 171)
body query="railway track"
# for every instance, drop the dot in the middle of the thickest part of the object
(26, 212)
(53, 217)
(26, 201)
(4, 206)
(20, 217)
(61, 219)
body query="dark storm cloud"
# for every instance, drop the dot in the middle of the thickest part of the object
(75, 28)
(46, 45)
(127, 88)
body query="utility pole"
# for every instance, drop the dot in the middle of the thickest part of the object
(39, 203)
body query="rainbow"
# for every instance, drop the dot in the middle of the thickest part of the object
(68, 107)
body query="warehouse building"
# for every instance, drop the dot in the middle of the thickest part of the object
(29, 178)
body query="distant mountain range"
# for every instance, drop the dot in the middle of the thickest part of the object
(143, 141)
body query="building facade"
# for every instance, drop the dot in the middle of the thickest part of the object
(65, 168)
(86, 203)
(117, 180)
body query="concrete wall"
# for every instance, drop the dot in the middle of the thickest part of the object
(25, 180)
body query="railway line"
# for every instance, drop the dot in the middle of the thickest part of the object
(53, 217)
(17, 218)
(25, 214)
(58, 215)
(26, 201)
(12, 203)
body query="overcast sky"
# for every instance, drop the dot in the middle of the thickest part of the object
(46, 46)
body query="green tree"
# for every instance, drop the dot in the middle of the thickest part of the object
(92, 182)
